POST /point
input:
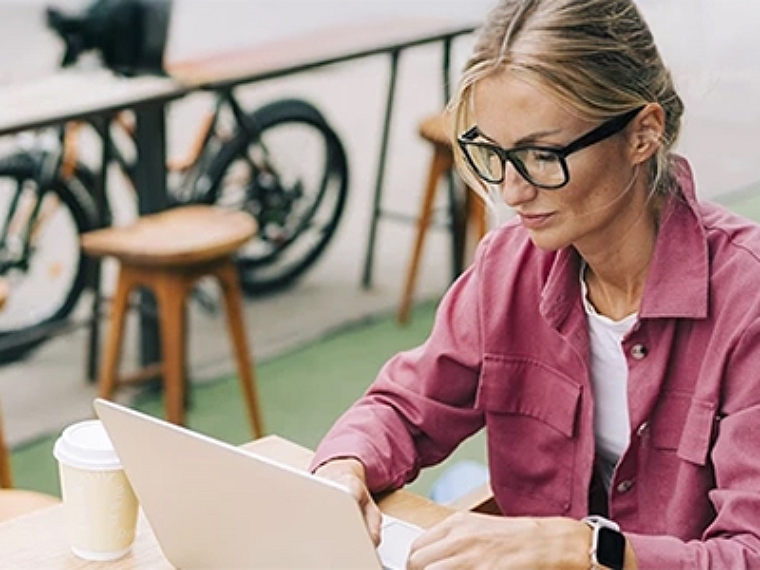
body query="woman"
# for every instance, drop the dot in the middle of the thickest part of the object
(608, 338)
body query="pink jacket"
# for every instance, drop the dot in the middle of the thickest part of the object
(509, 351)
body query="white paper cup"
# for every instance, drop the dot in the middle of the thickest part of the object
(100, 506)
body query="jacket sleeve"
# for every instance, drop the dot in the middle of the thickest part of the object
(732, 540)
(421, 405)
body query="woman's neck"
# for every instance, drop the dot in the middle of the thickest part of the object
(617, 270)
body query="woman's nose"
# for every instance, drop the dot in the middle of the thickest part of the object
(515, 190)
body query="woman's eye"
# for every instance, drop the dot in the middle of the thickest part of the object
(543, 156)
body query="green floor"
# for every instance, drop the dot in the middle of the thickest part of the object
(302, 392)
(745, 201)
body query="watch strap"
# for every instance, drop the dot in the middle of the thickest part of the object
(607, 543)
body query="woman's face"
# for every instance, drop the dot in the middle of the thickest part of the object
(606, 192)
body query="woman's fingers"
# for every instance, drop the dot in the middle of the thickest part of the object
(370, 510)
(471, 540)
(373, 518)
(349, 473)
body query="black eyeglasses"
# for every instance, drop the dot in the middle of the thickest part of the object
(542, 166)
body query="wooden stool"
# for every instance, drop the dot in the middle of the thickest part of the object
(15, 502)
(3, 292)
(434, 130)
(167, 253)
(6, 480)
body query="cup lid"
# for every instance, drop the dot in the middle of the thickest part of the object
(86, 445)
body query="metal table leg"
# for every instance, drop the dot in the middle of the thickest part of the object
(150, 182)
(101, 125)
(457, 218)
(457, 215)
(377, 203)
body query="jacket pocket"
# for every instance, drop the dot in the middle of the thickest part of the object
(684, 425)
(531, 412)
(698, 432)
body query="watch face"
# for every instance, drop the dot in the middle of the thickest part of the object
(610, 549)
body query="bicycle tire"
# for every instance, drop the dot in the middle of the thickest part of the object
(284, 247)
(25, 322)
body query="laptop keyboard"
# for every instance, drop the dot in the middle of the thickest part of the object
(396, 540)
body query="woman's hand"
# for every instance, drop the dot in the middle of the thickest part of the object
(349, 472)
(472, 540)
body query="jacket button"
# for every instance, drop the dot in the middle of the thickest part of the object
(642, 429)
(638, 351)
(624, 486)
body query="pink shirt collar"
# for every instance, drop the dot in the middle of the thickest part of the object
(677, 283)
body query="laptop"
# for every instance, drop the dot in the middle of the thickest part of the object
(213, 505)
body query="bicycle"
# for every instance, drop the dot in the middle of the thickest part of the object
(282, 162)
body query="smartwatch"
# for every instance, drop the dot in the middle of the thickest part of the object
(607, 543)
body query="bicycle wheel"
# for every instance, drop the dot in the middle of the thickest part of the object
(293, 178)
(46, 281)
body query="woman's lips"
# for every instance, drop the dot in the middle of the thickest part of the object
(533, 221)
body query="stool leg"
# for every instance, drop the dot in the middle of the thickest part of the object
(171, 291)
(228, 278)
(442, 161)
(110, 365)
(6, 479)
(476, 217)
(480, 215)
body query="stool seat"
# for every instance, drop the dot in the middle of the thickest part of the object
(6, 479)
(190, 234)
(435, 129)
(167, 253)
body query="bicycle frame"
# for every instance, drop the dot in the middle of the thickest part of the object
(191, 166)
(28, 217)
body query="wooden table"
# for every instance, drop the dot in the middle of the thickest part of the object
(96, 95)
(74, 94)
(311, 49)
(38, 539)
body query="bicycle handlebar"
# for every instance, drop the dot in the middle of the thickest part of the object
(72, 30)
(129, 35)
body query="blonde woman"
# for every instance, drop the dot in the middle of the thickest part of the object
(607, 339)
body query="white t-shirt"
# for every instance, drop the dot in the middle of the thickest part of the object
(609, 379)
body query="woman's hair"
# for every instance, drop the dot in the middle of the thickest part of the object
(596, 56)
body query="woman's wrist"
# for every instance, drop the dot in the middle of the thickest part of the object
(630, 556)
(342, 465)
(611, 548)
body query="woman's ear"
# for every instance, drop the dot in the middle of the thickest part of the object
(646, 132)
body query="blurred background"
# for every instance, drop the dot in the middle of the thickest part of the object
(711, 46)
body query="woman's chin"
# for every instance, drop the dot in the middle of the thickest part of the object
(547, 241)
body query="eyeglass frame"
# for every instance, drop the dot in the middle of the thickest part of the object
(604, 131)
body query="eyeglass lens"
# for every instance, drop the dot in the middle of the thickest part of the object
(540, 166)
